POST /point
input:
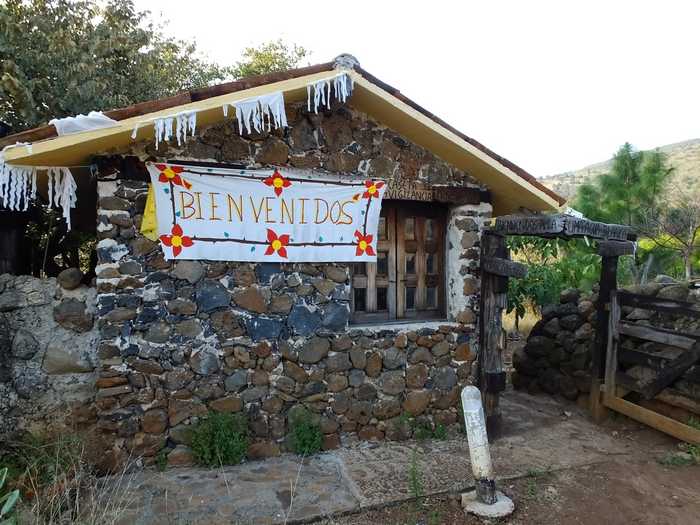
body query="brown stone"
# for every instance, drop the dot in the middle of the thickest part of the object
(146, 366)
(181, 456)
(109, 382)
(324, 286)
(227, 404)
(263, 449)
(234, 148)
(342, 161)
(330, 442)
(296, 372)
(336, 382)
(154, 421)
(466, 317)
(416, 375)
(182, 307)
(308, 161)
(425, 341)
(370, 433)
(401, 341)
(386, 409)
(252, 299)
(146, 444)
(260, 377)
(374, 364)
(336, 273)
(244, 276)
(341, 344)
(273, 405)
(464, 352)
(416, 402)
(274, 152)
(281, 304)
(181, 409)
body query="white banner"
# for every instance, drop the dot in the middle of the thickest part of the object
(226, 214)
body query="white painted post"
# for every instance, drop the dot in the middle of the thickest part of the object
(479, 452)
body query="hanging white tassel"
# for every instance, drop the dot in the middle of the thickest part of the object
(342, 86)
(185, 121)
(253, 113)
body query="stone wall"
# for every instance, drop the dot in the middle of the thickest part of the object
(556, 358)
(48, 353)
(181, 339)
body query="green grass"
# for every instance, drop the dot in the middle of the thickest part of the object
(305, 433)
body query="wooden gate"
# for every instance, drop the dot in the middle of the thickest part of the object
(640, 378)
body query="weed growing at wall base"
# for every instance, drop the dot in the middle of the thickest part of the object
(220, 439)
(305, 433)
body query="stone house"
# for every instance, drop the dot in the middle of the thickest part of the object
(357, 343)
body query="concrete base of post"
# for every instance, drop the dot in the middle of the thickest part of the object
(502, 507)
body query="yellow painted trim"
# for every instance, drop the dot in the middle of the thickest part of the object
(508, 189)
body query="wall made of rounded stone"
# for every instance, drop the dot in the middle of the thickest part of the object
(180, 339)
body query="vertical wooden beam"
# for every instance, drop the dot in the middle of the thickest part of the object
(608, 283)
(493, 301)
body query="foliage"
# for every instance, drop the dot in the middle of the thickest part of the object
(7, 501)
(270, 56)
(305, 434)
(552, 265)
(220, 439)
(634, 184)
(62, 57)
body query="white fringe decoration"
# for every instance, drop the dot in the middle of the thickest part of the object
(184, 122)
(342, 88)
(260, 113)
(18, 187)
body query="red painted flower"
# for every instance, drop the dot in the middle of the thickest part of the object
(172, 174)
(372, 189)
(277, 244)
(278, 182)
(177, 240)
(364, 244)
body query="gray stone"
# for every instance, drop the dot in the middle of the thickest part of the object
(393, 358)
(158, 333)
(393, 382)
(303, 321)
(70, 278)
(263, 328)
(253, 393)
(420, 355)
(10, 300)
(366, 391)
(538, 345)
(211, 295)
(72, 314)
(440, 349)
(314, 350)
(675, 292)
(205, 362)
(182, 307)
(335, 316)
(24, 345)
(338, 362)
(570, 295)
(358, 357)
(61, 358)
(444, 378)
(356, 377)
(552, 327)
(190, 271)
(571, 322)
(236, 381)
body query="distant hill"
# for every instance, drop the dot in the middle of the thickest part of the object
(683, 156)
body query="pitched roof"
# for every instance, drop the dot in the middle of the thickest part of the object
(376, 98)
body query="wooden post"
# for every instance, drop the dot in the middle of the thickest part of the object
(608, 283)
(493, 300)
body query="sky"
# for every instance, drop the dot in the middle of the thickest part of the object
(552, 86)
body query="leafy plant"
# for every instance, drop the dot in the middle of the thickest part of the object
(162, 460)
(220, 439)
(440, 432)
(7, 501)
(305, 432)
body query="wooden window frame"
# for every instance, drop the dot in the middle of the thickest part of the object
(397, 246)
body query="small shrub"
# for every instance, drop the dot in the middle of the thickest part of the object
(220, 439)
(422, 432)
(440, 432)
(7, 501)
(305, 436)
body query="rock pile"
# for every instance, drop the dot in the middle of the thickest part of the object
(557, 355)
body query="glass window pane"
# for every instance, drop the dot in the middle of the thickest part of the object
(410, 298)
(409, 228)
(430, 263)
(429, 229)
(381, 299)
(381, 229)
(432, 297)
(410, 263)
(360, 303)
(382, 263)
(359, 269)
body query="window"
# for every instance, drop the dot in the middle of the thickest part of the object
(407, 281)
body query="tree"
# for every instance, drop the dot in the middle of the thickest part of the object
(635, 184)
(268, 57)
(61, 58)
(675, 225)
